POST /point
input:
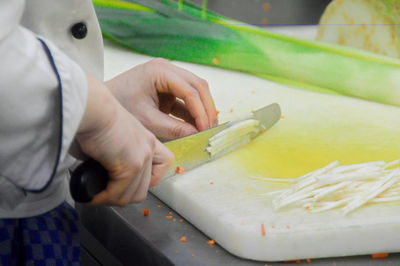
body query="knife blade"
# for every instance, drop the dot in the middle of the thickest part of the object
(90, 178)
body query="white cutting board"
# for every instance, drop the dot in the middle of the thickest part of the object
(221, 200)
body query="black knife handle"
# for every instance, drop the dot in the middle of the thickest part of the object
(87, 180)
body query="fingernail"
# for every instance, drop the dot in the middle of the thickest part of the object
(215, 123)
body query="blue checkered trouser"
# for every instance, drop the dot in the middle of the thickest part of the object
(48, 239)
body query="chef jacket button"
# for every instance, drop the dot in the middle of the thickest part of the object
(79, 30)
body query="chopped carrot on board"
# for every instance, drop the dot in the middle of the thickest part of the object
(211, 183)
(158, 206)
(179, 170)
(170, 213)
(379, 256)
(168, 217)
(215, 61)
(211, 243)
(174, 220)
(298, 261)
(262, 131)
(262, 230)
(146, 212)
(183, 239)
(308, 260)
(231, 110)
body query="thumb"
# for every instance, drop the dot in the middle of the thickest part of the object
(168, 128)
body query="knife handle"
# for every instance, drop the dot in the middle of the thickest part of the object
(87, 180)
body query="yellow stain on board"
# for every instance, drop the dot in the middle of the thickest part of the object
(290, 154)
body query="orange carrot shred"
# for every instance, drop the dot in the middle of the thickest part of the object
(211, 183)
(379, 256)
(168, 217)
(262, 131)
(266, 6)
(298, 261)
(179, 170)
(146, 212)
(282, 117)
(174, 220)
(211, 243)
(308, 260)
(158, 206)
(262, 230)
(215, 61)
(170, 213)
(231, 110)
(183, 239)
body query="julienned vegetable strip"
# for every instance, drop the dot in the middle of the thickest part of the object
(347, 187)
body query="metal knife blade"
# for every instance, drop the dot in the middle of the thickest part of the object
(190, 151)
(90, 178)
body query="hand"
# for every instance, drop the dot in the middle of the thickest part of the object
(157, 88)
(132, 155)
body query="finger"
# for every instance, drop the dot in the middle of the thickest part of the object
(141, 192)
(203, 89)
(168, 128)
(181, 89)
(162, 161)
(129, 195)
(179, 110)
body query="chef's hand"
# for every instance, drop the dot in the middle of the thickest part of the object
(154, 90)
(132, 155)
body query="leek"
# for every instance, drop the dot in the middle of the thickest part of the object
(181, 31)
(348, 187)
(366, 24)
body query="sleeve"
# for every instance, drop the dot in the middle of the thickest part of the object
(43, 96)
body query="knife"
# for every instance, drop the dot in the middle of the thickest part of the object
(90, 178)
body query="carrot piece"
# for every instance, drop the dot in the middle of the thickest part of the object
(183, 239)
(308, 260)
(231, 110)
(379, 256)
(179, 170)
(168, 217)
(298, 261)
(170, 213)
(217, 112)
(263, 230)
(262, 131)
(211, 243)
(215, 61)
(146, 212)
(211, 183)
(282, 117)
(158, 206)
(174, 220)
(266, 6)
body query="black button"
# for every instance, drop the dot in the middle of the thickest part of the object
(79, 30)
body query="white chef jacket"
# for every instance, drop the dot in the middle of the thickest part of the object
(43, 95)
